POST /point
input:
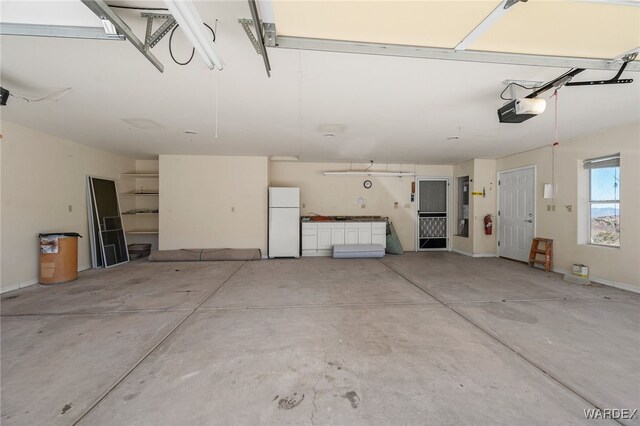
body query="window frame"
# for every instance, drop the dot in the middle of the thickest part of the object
(588, 164)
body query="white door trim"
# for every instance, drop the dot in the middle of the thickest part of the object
(416, 207)
(535, 200)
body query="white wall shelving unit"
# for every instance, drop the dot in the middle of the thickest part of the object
(140, 208)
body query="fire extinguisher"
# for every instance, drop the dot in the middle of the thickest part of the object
(488, 224)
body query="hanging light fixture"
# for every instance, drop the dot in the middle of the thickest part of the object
(189, 20)
(366, 173)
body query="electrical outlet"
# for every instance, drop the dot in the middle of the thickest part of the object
(233, 209)
(363, 206)
(553, 207)
(548, 207)
(304, 206)
(395, 205)
(569, 208)
(70, 208)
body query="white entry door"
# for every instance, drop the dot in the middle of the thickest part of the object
(516, 213)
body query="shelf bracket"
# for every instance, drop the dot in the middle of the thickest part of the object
(150, 40)
(246, 25)
(265, 34)
(268, 39)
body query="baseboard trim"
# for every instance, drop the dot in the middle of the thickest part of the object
(18, 286)
(609, 283)
(622, 286)
(33, 281)
(474, 254)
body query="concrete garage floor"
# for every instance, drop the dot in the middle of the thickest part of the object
(424, 338)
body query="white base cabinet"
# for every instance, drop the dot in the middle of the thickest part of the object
(324, 238)
(337, 236)
(351, 236)
(318, 239)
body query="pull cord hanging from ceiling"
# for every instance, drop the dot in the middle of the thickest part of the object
(216, 77)
(554, 145)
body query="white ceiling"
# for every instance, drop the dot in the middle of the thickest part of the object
(393, 109)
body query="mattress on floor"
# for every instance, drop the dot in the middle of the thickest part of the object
(194, 255)
(358, 251)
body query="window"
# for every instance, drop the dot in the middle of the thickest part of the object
(604, 200)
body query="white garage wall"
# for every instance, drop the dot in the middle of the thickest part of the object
(482, 175)
(617, 266)
(336, 195)
(213, 202)
(42, 176)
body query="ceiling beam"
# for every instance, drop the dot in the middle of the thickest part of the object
(486, 23)
(257, 24)
(103, 11)
(634, 3)
(61, 31)
(339, 46)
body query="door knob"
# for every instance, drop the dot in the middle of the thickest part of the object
(529, 220)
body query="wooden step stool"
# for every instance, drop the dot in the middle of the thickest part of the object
(547, 251)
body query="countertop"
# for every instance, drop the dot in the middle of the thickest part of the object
(322, 219)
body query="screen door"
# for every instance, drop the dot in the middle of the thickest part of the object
(109, 244)
(433, 214)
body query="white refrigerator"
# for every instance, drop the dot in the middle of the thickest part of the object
(284, 222)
